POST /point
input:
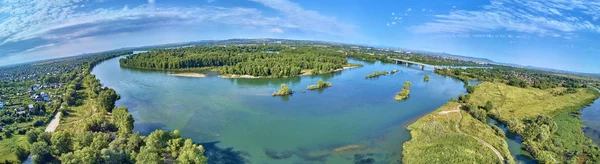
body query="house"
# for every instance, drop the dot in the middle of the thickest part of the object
(20, 110)
(30, 107)
(36, 89)
(1, 105)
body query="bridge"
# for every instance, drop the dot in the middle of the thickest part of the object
(423, 65)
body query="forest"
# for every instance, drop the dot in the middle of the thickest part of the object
(518, 77)
(260, 61)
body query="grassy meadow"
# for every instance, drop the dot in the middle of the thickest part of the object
(435, 139)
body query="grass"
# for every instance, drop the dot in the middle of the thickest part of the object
(524, 103)
(436, 140)
(568, 143)
(8, 146)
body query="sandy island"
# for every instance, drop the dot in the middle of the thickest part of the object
(238, 76)
(188, 75)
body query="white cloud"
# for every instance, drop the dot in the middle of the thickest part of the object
(308, 20)
(409, 9)
(423, 9)
(276, 30)
(543, 18)
(38, 24)
(393, 22)
(393, 13)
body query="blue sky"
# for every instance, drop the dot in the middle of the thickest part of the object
(561, 34)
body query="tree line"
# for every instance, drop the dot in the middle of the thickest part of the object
(263, 61)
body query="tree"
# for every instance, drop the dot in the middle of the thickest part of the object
(174, 146)
(191, 154)
(426, 78)
(489, 106)
(284, 90)
(61, 142)
(107, 98)
(32, 135)
(123, 120)
(470, 89)
(40, 152)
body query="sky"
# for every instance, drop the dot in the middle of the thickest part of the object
(560, 34)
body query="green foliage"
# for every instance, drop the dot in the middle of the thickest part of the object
(283, 91)
(489, 106)
(40, 152)
(376, 74)
(123, 120)
(61, 143)
(426, 78)
(402, 95)
(263, 61)
(191, 153)
(320, 85)
(470, 89)
(107, 98)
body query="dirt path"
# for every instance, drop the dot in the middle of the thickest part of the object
(457, 110)
(54, 123)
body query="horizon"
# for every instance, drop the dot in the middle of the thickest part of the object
(553, 34)
(372, 46)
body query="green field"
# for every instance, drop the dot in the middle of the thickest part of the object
(525, 103)
(560, 137)
(436, 139)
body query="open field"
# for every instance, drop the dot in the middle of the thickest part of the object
(525, 103)
(549, 123)
(450, 135)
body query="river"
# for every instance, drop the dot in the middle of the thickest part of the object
(238, 120)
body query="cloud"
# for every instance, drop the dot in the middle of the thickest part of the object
(542, 18)
(308, 20)
(276, 30)
(40, 24)
(409, 9)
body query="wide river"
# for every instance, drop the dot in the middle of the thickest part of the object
(238, 120)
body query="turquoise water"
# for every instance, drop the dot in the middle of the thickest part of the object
(514, 142)
(238, 120)
(591, 120)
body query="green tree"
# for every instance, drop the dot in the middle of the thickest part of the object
(32, 135)
(107, 98)
(489, 106)
(191, 154)
(61, 142)
(40, 152)
(123, 120)
(426, 78)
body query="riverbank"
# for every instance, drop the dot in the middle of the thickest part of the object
(532, 113)
(528, 112)
(303, 73)
(189, 74)
(451, 135)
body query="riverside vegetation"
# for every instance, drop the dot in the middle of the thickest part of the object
(259, 61)
(376, 74)
(93, 130)
(548, 123)
(320, 85)
(283, 91)
(402, 95)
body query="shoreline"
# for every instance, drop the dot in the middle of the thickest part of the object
(189, 74)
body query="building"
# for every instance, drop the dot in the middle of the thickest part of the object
(20, 110)
(1, 105)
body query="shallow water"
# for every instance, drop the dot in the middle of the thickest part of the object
(591, 120)
(306, 127)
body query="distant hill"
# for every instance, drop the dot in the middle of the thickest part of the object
(288, 41)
